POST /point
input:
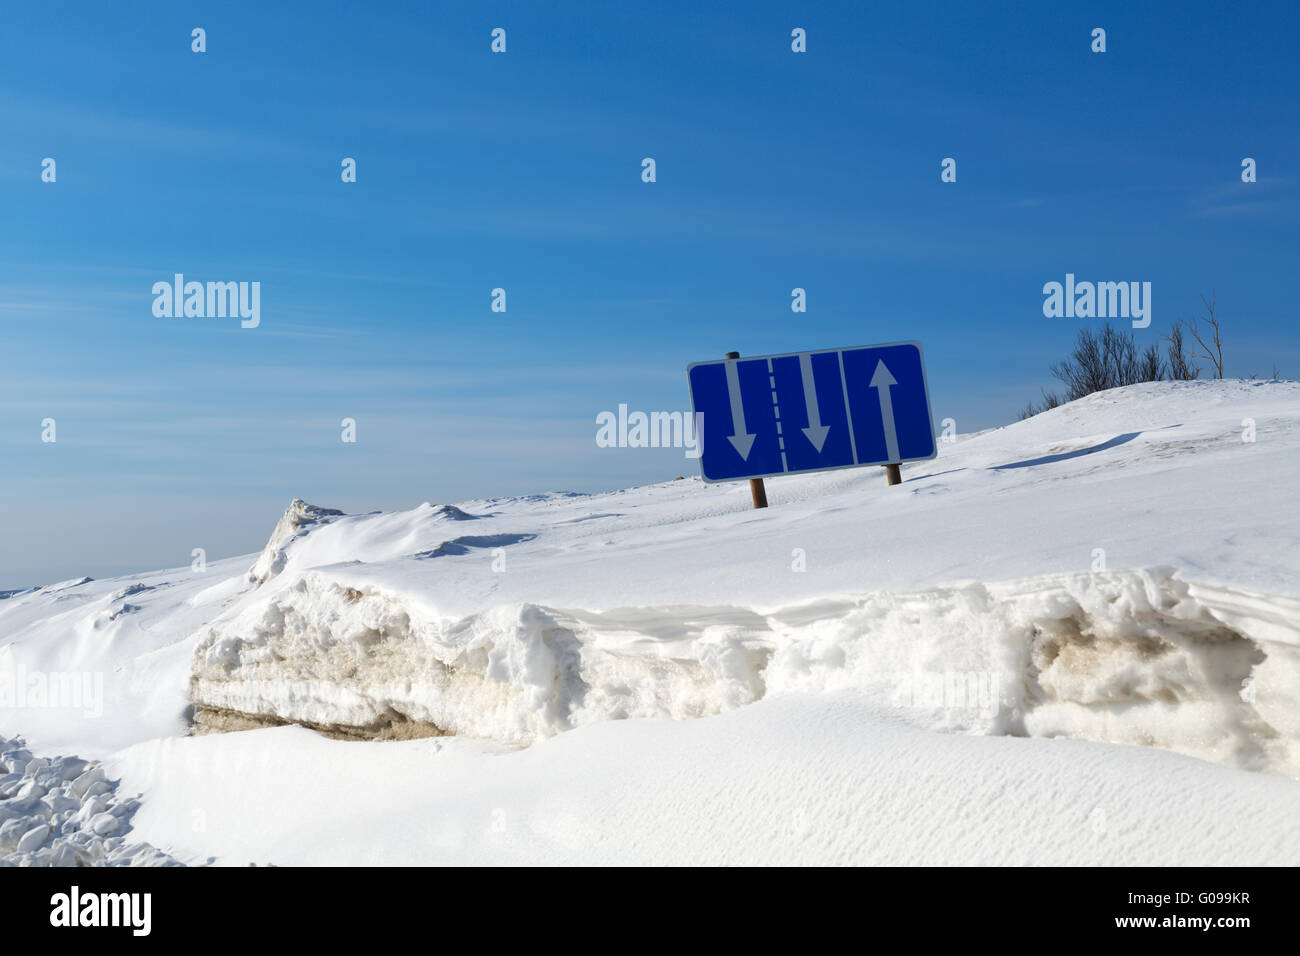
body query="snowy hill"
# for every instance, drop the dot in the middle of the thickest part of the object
(1121, 570)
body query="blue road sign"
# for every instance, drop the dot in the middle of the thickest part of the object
(769, 415)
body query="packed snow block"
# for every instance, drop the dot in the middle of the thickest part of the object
(1129, 657)
(362, 663)
(1149, 660)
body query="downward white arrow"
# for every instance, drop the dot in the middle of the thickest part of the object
(882, 381)
(816, 431)
(740, 439)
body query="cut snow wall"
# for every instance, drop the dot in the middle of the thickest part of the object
(1131, 657)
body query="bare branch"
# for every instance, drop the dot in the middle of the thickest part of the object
(1213, 349)
(1181, 367)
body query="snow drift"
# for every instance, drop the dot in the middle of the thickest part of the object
(1137, 657)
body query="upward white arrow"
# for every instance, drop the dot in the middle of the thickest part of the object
(740, 439)
(816, 431)
(882, 381)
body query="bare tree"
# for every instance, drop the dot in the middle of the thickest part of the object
(1212, 350)
(1181, 366)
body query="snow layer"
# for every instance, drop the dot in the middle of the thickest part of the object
(1125, 657)
(790, 780)
(1122, 569)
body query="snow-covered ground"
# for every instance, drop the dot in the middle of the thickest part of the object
(1075, 639)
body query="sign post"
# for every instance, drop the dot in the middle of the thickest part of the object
(757, 489)
(812, 411)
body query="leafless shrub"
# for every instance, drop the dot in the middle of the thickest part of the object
(1107, 359)
(1110, 359)
(1182, 368)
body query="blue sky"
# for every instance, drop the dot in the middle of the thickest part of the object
(775, 170)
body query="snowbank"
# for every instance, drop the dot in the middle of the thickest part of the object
(1120, 657)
